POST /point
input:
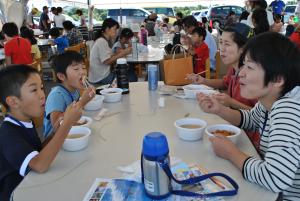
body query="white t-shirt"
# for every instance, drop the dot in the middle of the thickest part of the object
(269, 15)
(100, 52)
(58, 20)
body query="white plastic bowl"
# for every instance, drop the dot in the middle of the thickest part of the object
(234, 138)
(95, 103)
(86, 119)
(76, 144)
(190, 134)
(191, 90)
(112, 94)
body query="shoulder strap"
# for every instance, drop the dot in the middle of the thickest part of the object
(195, 180)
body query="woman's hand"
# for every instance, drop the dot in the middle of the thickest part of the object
(224, 99)
(224, 148)
(209, 104)
(196, 79)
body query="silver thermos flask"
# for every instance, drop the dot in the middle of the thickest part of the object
(155, 152)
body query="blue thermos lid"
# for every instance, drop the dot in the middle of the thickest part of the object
(155, 145)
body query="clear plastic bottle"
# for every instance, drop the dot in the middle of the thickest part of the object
(134, 48)
(152, 77)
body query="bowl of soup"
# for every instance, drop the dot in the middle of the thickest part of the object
(190, 129)
(95, 103)
(112, 95)
(77, 139)
(84, 121)
(231, 132)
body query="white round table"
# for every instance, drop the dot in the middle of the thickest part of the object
(116, 141)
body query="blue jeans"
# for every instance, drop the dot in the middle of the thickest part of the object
(107, 80)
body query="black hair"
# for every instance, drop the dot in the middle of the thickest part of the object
(261, 23)
(46, 7)
(259, 4)
(28, 34)
(59, 10)
(189, 21)
(12, 79)
(200, 31)
(244, 15)
(204, 20)
(179, 14)
(10, 29)
(277, 16)
(53, 9)
(126, 33)
(54, 32)
(231, 13)
(166, 20)
(61, 62)
(107, 24)
(239, 36)
(79, 12)
(68, 25)
(278, 56)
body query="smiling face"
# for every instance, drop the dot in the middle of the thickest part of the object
(75, 74)
(229, 50)
(32, 98)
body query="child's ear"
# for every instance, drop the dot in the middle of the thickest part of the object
(13, 102)
(61, 76)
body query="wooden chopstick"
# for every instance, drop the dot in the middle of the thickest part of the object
(213, 179)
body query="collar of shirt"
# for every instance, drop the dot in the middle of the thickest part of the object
(26, 124)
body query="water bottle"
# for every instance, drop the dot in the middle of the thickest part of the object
(152, 77)
(134, 48)
(122, 75)
(155, 152)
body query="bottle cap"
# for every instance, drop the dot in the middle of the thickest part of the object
(121, 61)
(155, 145)
(152, 67)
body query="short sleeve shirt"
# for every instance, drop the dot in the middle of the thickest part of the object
(58, 100)
(58, 20)
(18, 145)
(74, 37)
(202, 54)
(36, 51)
(19, 49)
(231, 82)
(62, 43)
(44, 17)
(277, 6)
(100, 52)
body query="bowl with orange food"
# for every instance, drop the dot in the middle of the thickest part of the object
(229, 131)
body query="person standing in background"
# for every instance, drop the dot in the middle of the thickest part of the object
(277, 8)
(81, 18)
(45, 20)
(29, 19)
(59, 18)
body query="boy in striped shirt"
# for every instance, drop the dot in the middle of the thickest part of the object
(271, 73)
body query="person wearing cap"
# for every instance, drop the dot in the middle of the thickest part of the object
(45, 20)
(135, 28)
(277, 8)
(259, 4)
(232, 42)
(29, 19)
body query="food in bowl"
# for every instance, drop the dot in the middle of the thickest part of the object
(112, 95)
(231, 132)
(81, 122)
(77, 138)
(190, 129)
(190, 126)
(223, 132)
(74, 136)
